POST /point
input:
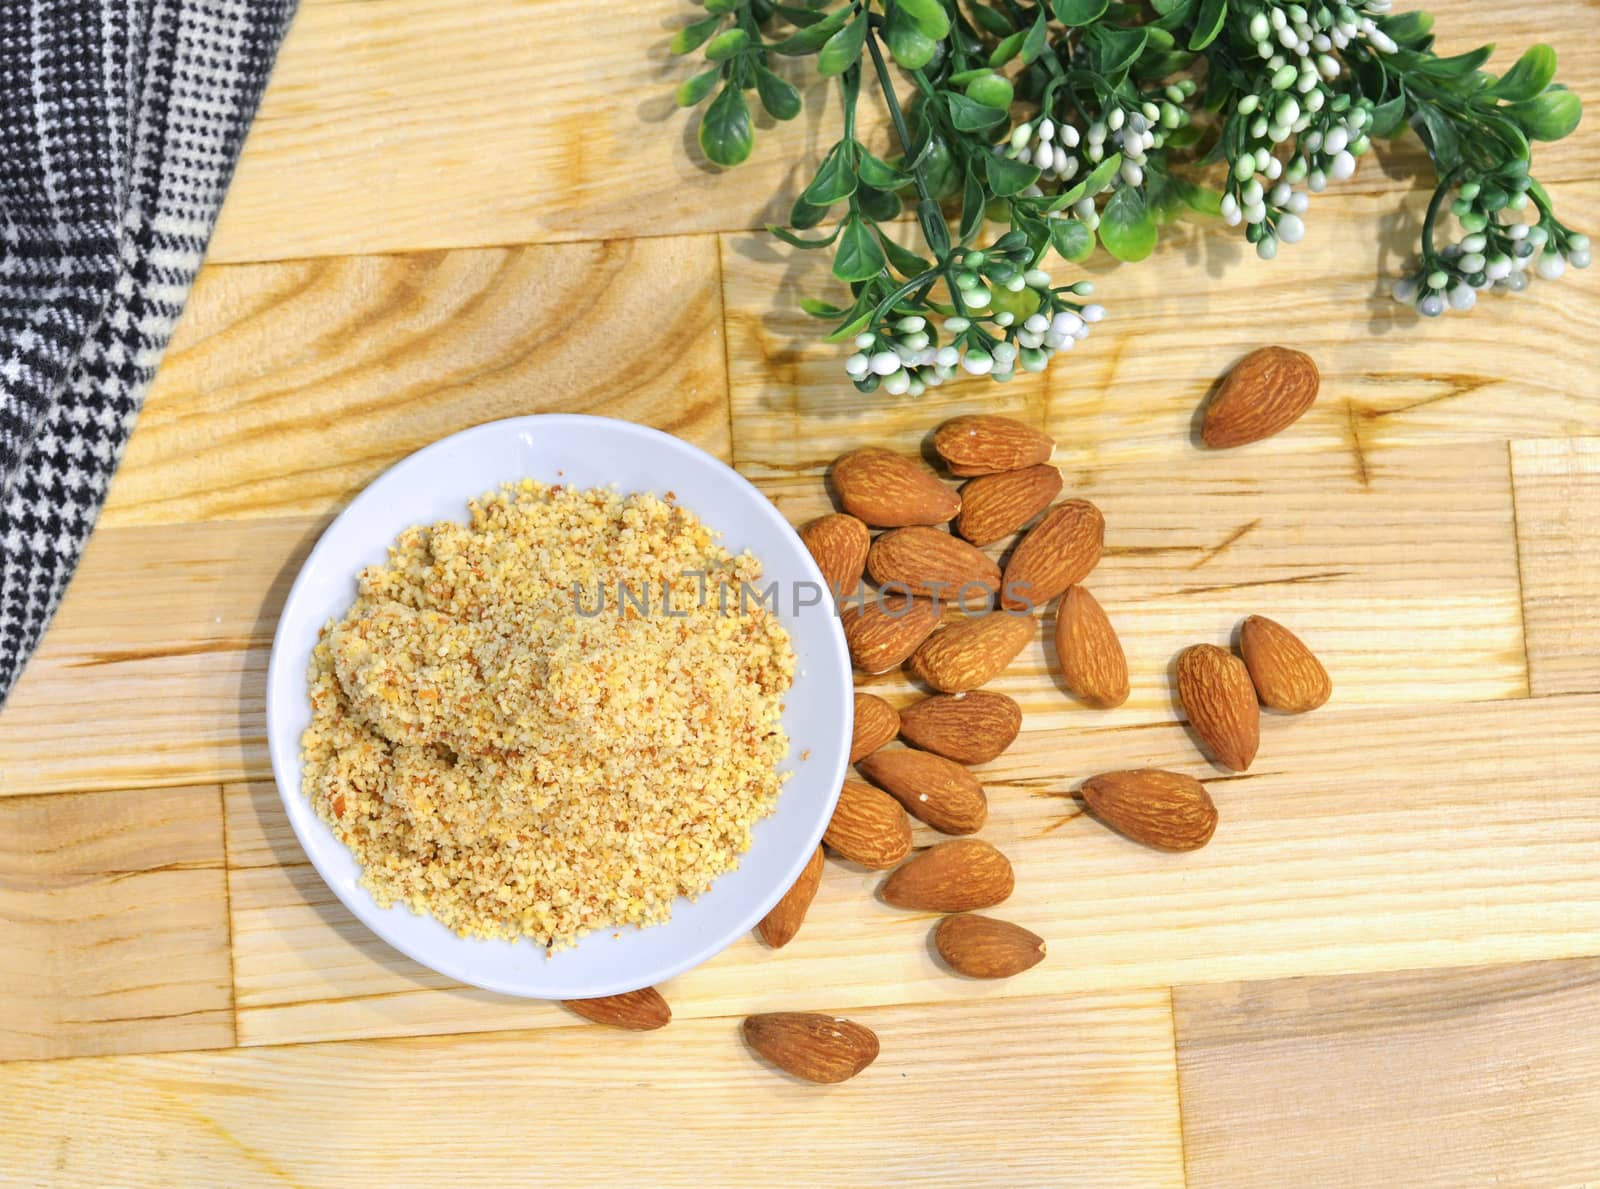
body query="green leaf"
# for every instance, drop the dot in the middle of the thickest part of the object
(1208, 24)
(1038, 38)
(929, 16)
(820, 309)
(968, 115)
(1127, 228)
(1414, 30)
(1072, 239)
(804, 214)
(859, 257)
(1458, 66)
(801, 241)
(991, 21)
(1531, 74)
(1203, 200)
(1117, 49)
(1006, 50)
(1549, 116)
(851, 327)
(842, 49)
(908, 45)
(1090, 185)
(1388, 117)
(877, 172)
(725, 135)
(878, 205)
(1173, 8)
(721, 6)
(809, 41)
(972, 203)
(1008, 177)
(1157, 40)
(1079, 12)
(803, 17)
(1439, 134)
(1160, 65)
(778, 95)
(694, 90)
(692, 37)
(730, 43)
(904, 261)
(835, 177)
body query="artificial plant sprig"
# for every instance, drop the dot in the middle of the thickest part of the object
(1076, 122)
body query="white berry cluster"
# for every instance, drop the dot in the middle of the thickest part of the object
(1046, 145)
(1312, 34)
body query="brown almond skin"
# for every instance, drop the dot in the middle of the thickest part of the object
(1220, 700)
(888, 629)
(971, 652)
(876, 722)
(868, 827)
(1092, 661)
(643, 1010)
(783, 921)
(933, 789)
(983, 443)
(1287, 675)
(1166, 810)
(969, 728)
(995, 506)
(1266, 392)
(813, 1046)
(954, 876)
(838, 544)
(1058, 552)
(934, 564)
(983, 947)
(888, 490)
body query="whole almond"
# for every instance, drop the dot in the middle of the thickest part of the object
(954, 876)
(887, 490)
(1092, 661)
(982, 947)
(876, 722)
(1217, 695)
(868, 827)
(638, 1011)
(970, 728)
(1166, 810)
(886, 630)
(1266, 392)
(812, 1046)
(983, 443)
(930, 562)
(838, 545)
(995, 506)
(785, 917)
(972, 652)
(1056, 553)
(1286, 674)
(933, 789)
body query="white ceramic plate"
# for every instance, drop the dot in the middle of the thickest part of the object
(435, 484)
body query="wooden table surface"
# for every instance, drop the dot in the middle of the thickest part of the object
(1384, 970)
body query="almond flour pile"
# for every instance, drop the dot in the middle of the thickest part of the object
(517, 769)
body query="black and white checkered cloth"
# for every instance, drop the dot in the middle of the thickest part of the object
(120, 122)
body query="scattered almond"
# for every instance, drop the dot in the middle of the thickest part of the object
(1092, 661)
(970, 728)
(931, 562)
(816, 1047)
(1058, 552)
(868, 827)
(1265, 393)
(954, 876)
(784, 919)
(933, 789)
(983, 444)
(1166, 810)
(887, 490)
(995, 506)
(876, 723)
(982, 947)
(638, 1011)
(972, 652)
(1217, 695)
(1286, 674)
(886, 630)
(838, 545)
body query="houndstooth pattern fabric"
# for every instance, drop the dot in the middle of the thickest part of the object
(120, 123)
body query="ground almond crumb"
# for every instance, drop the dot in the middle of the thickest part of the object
(517, 769)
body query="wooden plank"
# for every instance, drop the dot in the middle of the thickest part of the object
(114, 923)
(405, 124)
(1363, 840)
(1557, 488)
(289, 387)
(689, 1105)
(1432, 1078)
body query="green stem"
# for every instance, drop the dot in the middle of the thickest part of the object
(1432, 216)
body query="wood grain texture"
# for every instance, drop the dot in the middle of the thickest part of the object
(406, 124)
(114, 924)
(1429, 1078)
(684, 1107)
(290, 387)
(1557, 488)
